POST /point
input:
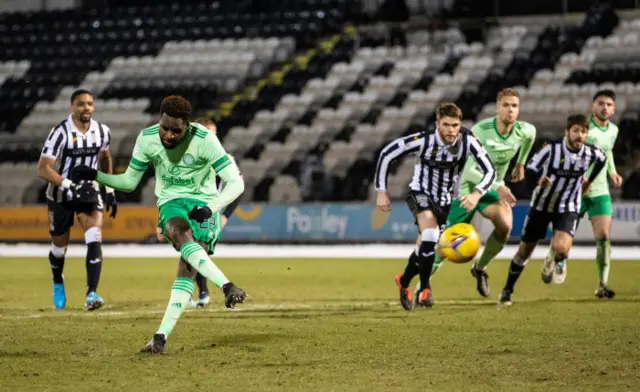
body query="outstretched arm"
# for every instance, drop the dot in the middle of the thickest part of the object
(125, 182)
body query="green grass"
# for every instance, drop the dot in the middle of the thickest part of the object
(317, 325)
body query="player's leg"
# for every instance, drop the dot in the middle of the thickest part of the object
(554, 269)
(180, 295)
(183, 233)
(601, 224)
(499, 213)
(602, 230)
(417, 204)
(201, 281)
(403, 280)
(60, 221)
(456, 215)
(92, 225)
(564, 228)
(429, 234)
(600, 212)
(535, 229)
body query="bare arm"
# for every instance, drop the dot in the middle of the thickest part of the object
(47, 171)
(105, 164)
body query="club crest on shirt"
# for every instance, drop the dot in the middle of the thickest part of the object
(188, 159)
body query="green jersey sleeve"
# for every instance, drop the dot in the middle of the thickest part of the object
(129, 180)
(611, 165)
(226, 168)
(501, 149)
(529, 138)
(604, 139)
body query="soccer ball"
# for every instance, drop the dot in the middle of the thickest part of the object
(459, 243)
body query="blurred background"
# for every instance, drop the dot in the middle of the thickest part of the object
(305, 93)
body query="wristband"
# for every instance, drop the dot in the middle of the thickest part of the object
(66, 183)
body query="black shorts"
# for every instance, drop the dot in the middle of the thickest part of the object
(61, 215)
(537, 222)
(418, 202)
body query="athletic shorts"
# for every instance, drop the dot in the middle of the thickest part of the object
(61, 215)
(537, 222)
(418, 202)
(598, 205)
(458, 214)
(207, 232)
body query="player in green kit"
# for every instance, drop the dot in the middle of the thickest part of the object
(185, 155)
(503, 137)
(597, 201)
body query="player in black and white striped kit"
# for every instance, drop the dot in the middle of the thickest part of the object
(77, 140)
(440, 156)
(561, 167)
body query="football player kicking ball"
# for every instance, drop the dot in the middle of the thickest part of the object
(184, 155)
(502, 137)
(597, 201)
(561, 166)
(203, 291)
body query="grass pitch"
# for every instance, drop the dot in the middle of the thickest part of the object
(318, 325)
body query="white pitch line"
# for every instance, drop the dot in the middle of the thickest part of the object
(355, 306)
(253, 251)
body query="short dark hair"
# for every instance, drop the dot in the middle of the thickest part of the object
(176, 106)
(577, 119)
(448, 109)
(79, 92)
(605, 93)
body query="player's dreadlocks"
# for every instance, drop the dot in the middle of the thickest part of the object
(176, 106)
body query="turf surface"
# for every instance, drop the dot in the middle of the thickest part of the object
(318, 325)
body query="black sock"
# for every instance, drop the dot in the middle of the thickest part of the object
(410, 270)
(94, 265)
(514, 273)
(57, 266)
(426, 258)
(202, 283)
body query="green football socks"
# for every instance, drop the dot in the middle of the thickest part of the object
(199, 259)
(603, 256)
(493, 246)
(180, 295)
(436, 264)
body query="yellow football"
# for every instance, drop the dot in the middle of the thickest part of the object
(459, 243)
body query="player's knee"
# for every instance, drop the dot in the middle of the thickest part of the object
(561, 249)
(521, 259)
(502, 230)
(93, 234)
(603, 236)
(429, 237)
(179, 231)
(503, 225)
(58, 251)
(524, 253)
(185, 270)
